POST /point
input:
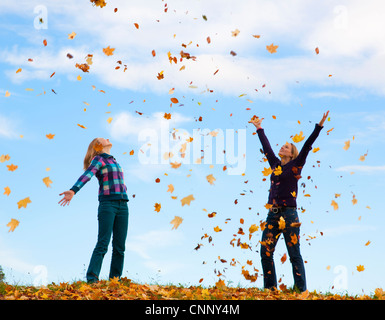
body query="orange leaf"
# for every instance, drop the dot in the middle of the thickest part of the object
(11, 167)
(157, 207)
(284, 258)
(217, 229)
(47, 181)
(272, 48)
(7, 191)
(45, 42)
(108, 51)
(136, 25)
(12, 224)
(360, 268)
(50, 136)
(23, 203)
(174, 100)
(176, 222)
(298, 137)
(187, 200)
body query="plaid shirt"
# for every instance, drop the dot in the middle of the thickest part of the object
(110, 176)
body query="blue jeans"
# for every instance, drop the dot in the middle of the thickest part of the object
(269, 240)
(113, 220)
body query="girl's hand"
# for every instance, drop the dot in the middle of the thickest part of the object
(257, 122)
(321, 123)
(67, 197)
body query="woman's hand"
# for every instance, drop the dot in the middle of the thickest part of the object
(67, 197)
(321, 123)
(257, 122)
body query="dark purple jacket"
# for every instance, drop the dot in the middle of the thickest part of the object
(283, 185)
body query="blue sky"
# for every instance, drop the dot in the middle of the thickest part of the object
(54, 244)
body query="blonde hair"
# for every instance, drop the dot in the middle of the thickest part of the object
(92, 151)
(294, 151)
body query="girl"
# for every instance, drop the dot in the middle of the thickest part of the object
(282, 216)
(112, 211)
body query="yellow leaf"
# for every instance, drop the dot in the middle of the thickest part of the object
(50, 136)
(278, 171)
(108, 51)
(293, 194)
(272, 48)
(12, 224)
(267, 171)
(235, 33)
(72, 35)
(7, 93)
(298, 138)
(347, 145)
(360, 268)
(176, 222)
(253, 228)
(335, 205)
(23, 203)
(4, 158)
(281, 223)
(47, 181)
(109, 119)
(78, 78)
(187, 200)
(315, 150)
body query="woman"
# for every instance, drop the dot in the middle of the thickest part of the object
(282, 216)
(112, 211)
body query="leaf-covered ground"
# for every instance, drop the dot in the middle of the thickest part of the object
(128, 290)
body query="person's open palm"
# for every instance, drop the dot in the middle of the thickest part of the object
(67, 197)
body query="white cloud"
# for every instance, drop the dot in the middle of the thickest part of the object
(8, 128)
(350, 37)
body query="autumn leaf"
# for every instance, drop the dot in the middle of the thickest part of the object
(281, 223)
(7, 191)
(108, 51)
(12, 225)
(360, 268)
(210, 178)
(175, 165)
(23, 203)
(267, 171)
(81, 126)
(45, 42)
(235, 33)
(4, 157)
(160, 75)
(170, 188)
(72, 35)
(11, 167)
(157, 207)
(136, 25)
(167, 116)
(272, 48)
(217, 229)
(187, 200)
(298, 138)
(317, 50)
(47, 181)
(347, 145)
(174, 100)
(50, 136)
(176, 222)
(7, 94)
(334, 205)
(98, 147)
(278, 171)
(284, 258)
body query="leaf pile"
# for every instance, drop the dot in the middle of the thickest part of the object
(128, 290)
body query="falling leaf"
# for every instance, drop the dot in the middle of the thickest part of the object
(79, 78)
(176, 222)
(217, 229)
(160, 75)
(47, 181)
(170, 188)
(23, 203)
(267, 171)
(256, 36)
(50, 136)
(84, 67)
(157, 207)
(187, 200)
(4, 158)
(7, 191)
(354, 200)
(210, 178)
(212, 214)
(347, 145)
(153, 53)
(368, 243)
(278, 171)
(317, 50)
(281, 223)
(235, 33)
(175, 165)
(136, 25)
(109, 119)
(12, 225)
(7, 94)
(284, 257)
(315, 150)
(334, 205)
(81, 126)
(360, 268)
(18, 70)
(108, 51)
(11, 167)
(272, 48)
(45, 42)
(298, 138)
(72, 35)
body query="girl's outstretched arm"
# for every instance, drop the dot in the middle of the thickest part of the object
(67, 197)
